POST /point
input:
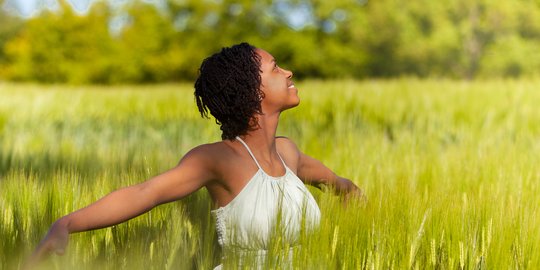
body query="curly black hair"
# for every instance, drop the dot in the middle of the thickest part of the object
(228, 87)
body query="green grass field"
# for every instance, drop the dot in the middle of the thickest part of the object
(451, 170)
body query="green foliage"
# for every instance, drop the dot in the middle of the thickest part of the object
(450, 169)
(9, 28)
(313, 38)
(148, 51)
(57, 47)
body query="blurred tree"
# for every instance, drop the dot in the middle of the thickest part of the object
(167, 40)
(450, 38)
(62, 47)
(376, 35)
(148, 51)
(325, 47)
(203, 27)
(516, 35)
(9, 27)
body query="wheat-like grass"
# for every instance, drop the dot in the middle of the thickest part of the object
(450, 169)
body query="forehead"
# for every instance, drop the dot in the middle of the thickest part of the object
(265, 56)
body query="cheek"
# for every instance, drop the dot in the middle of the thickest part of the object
(272, 83)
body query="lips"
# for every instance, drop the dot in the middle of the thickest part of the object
(291, 85)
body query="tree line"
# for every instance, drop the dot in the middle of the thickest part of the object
(141, 42)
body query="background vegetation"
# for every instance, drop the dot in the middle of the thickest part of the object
(450, 170)
(449, 164)
(162, 41)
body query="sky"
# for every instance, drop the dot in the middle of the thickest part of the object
(298, 16)
(28, 8)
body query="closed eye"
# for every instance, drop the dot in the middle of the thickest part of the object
(275, 64)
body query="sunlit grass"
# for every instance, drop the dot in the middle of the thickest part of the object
(450, 170)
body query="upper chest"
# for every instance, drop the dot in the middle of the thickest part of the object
(235, 167)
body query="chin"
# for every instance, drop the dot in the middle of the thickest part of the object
(297, 101)
(292, 105)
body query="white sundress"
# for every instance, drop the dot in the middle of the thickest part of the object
(247, 224)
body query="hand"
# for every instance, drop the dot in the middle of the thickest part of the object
(56, 241)
(357, 195)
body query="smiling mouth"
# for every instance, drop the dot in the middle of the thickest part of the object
(291, 86)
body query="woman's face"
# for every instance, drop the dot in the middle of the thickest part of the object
(279, 90)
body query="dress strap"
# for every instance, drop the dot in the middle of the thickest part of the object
(282, 162)
(249, 150)
(254, 159)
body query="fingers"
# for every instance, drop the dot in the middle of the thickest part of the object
(356, 198)
(55, 241)
(361, 196)
(42, 252)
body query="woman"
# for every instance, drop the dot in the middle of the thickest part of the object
(252, 176)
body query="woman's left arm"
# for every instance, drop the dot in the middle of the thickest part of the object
(313, 172)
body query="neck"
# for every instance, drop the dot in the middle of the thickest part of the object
(263, 139)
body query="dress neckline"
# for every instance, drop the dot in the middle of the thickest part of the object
(251, 181)
(259, 166)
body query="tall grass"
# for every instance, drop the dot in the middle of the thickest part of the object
(450, 170)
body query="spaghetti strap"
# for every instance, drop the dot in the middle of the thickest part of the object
(282, 162)
(250, 153)
(253, 156)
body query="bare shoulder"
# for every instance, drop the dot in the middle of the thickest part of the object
(207, 153)
(288, 149)
(286, 143)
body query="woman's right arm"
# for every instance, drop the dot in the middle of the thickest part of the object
(193, 172)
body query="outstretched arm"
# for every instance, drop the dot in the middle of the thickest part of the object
(192, 172)
(313, 172)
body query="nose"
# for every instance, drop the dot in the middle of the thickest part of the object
(288, 73)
